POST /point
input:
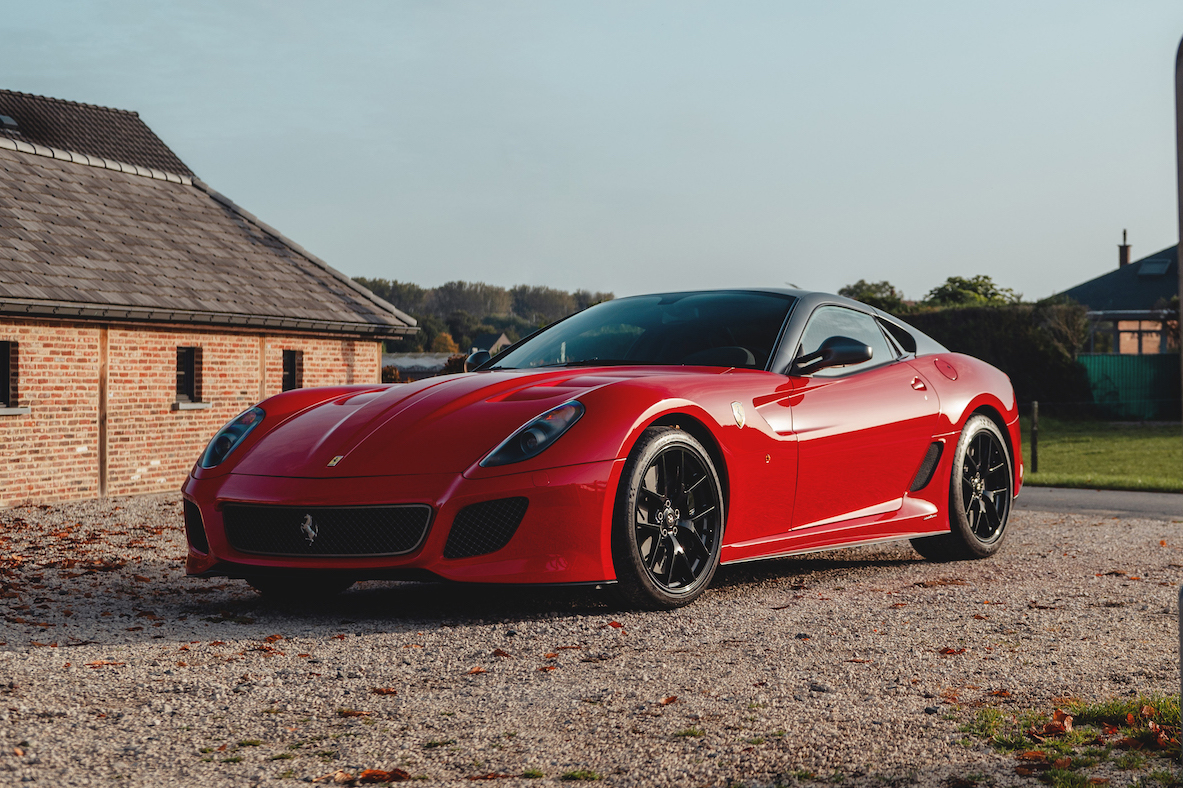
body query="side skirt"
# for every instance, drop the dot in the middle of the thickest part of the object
(843, 546)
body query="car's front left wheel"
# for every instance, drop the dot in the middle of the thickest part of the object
(668, 527)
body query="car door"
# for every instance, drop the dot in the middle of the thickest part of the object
(862, 430)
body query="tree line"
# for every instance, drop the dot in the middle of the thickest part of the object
(454, 314)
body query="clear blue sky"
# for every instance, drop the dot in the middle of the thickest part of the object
(635, 147)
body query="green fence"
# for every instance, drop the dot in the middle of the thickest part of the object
(1139, 388)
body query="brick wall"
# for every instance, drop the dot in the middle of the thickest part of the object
(52, 453)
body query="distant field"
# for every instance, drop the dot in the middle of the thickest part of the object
(1106, 455)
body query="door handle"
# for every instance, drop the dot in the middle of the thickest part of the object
(918, 384)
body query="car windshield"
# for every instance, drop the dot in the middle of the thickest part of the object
(723, 329)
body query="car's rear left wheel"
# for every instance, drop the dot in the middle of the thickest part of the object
(981, 489)
(668, 527)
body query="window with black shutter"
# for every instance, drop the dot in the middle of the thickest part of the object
(8, 398)
(188, 374)
(293, 369)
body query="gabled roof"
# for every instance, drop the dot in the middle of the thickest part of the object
(490, 340)
(84, 236)
(1134, 287)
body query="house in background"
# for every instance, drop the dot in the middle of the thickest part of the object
(1131, 357)
(492, 342)
(140, 309)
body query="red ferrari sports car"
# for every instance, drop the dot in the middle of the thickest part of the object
(641, 443)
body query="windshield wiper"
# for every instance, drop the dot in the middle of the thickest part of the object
(594, 362)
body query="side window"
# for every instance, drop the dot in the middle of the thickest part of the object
(838, 321)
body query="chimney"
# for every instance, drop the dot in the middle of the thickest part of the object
(1123, 252)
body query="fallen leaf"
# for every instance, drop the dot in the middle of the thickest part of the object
(340, 777)
(1149, 711)
(142, 579)
(352, 713)
(384, 691)
(1001, 693)
(499, 652)
(547, 667)
(615, 625)
(1036, 606)
(950, 650)
(669, 700)
(1032, 755)
(273, 638)
(980, 617)
(1162, 542)
(380, 776)
(476, 669)
(1023, 771)
(1062, 763)
(550, 655)
(568, 648)
(222, 748)
(217, 642)
(900, 604)
(18, 752)
(338, 637)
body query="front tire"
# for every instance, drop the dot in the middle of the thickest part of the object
(667, 531)
(981, 489)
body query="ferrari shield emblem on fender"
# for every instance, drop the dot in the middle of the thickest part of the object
(309, 529)
(737, 411)
(333, 462)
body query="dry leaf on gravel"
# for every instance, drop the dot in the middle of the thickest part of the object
(1032, 755)
(950, 651)
(476, 669)
(381, 776)
(273, 638)
(492, 776)
(669, 700)
(500, 652)
(384, 691)
(352, 713)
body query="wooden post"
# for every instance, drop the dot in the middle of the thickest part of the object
(1035, 436)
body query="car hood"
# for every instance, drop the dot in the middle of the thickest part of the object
(439, 425)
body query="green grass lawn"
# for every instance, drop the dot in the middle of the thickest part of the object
(1105, 455)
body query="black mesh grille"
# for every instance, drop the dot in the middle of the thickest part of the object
(924, 474)
(485, 527)
(355, 530)
(194, 530)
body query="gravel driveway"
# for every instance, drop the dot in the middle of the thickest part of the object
(115, 669)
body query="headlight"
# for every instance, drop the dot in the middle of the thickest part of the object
(230, 436)
(533, 438)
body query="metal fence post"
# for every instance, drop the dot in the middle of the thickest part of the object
(1035, 436)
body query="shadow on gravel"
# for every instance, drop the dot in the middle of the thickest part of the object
(800, 568)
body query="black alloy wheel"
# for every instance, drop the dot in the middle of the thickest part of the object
(981, 489)
(669, 521)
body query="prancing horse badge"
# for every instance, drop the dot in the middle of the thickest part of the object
(309, 529)
(737, 411)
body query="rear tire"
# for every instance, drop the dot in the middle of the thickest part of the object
(667, 532)
(302, 588)
(981, 489)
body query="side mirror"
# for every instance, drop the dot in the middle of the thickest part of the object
(834, 352)
(476, 359)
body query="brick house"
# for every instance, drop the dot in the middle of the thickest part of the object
(140, 309)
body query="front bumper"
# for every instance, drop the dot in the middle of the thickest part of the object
(564, 537)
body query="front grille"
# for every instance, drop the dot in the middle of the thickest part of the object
(194, 530)
(485, 527)
(340, 531)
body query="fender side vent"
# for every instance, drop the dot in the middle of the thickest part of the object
(485, 527)
(928, 467)
(194, 529)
